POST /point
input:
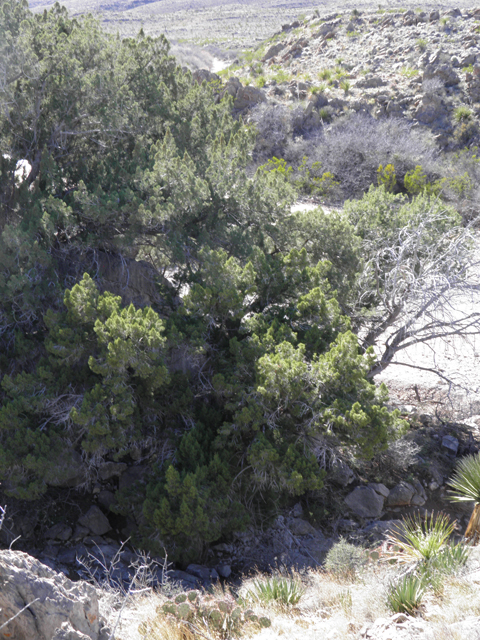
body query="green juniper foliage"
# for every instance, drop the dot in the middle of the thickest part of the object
(235, 387)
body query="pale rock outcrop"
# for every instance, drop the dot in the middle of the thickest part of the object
(58, 609)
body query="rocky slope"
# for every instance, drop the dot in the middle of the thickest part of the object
(417, 65)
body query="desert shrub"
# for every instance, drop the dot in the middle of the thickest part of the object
(353, 147)
(274, 126)
(345, 560)
(466, 132)
(386, 177)
(462, 114)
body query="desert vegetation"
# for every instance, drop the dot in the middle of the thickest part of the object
(165, 311)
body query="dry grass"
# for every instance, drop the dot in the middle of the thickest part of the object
(331, 607)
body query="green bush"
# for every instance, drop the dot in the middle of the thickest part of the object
(345, 559)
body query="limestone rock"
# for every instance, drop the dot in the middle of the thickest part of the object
(400, 495)
(58, 608)
(442, 71)
(248, 96)
(59, 531)
(379, 488)
(370, 81)
(273, 51)
(204, 75)
(95, 521)
(450, 444)
(300, 527)
(365, 502)
(341, 474)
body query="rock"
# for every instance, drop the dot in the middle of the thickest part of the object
(224, 570)
(365, 502)
(442, 71)
(131, 476)
(396, 627)
(273, 51)
(370, 81)
(59, 531)
(468, 628)
(58, 608)
(183, 579)
(434, 16)
(297, 510)
(95, 520)
(109, 470)
(248, 96)
(450, 444)
(68, 472)
(379, 488)
(204, 75)
(204, 573)
(400, 495)
(341, 474)
(300, 527)
(106, 499)
(420, 497)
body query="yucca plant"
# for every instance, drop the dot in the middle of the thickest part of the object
(284, 591)
(465, 486)
(406, 595)
(421, 540)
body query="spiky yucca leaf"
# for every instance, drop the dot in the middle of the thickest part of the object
(466, 480)
(406, 595)
(421, 540)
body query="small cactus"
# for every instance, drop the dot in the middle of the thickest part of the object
(221, 614)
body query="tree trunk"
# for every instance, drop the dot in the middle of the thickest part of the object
(472, 534)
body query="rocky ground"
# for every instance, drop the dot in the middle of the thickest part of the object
(416, 65)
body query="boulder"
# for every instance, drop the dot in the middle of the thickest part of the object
(444, 72)
(204, 75)
(273, 51)
(400, 495)
(59, 531)
(300, 527)
(370, 81)
(57, 607)
(248, 96)
(341, 474)
(95, 521)
(450, 444)
(365, 502)
(68, 472)
(379, 488)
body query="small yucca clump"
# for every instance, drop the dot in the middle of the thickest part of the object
(406, 595)
(285, 591)
(466, 488)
